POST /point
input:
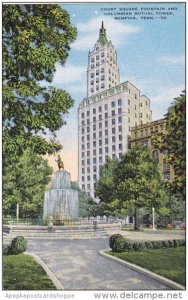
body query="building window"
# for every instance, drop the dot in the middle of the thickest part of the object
(87, 121)
(119, 119)
(120, 146)
(155, 155)
(106, 140)
(142, 133)
(135, 96)
(106, 115)
(106, 132)
(88, 129)
(94, 169)
(82, 130)
(97, 57)
(83, 171)
(94, 143)
(82, 138)
(113, 104)
(100, 108)
(100, 159)
(83, 146)
(88, 169)
(92, 75)
(82, 154)
(120, 137)
(100, 125)
(83, 123)
(102, 70)
(83, 162)
(102, 54)
(113, 112)
(88, 137)
(94, 160)
(94, 111)
(119, 110)
(113, 139)
(97, 64)
(94, 127)
(129, 102)
(102, 78)
(83, 178)
(92, 90)
(94, 119)
(100, 133)
(146, 131)
(88, 145)
(141, 115)
(113, 148)
(106, 123)
(92, 59)
(113, 130)
(146, 103)
(97, 80)
(92, 82)
(94, 152)
(100, 150)
(100, 117)
(106, 106)
(82, 115)
(102, 85)
(135, 115)
(92, 66)
(114, 156)
(106, 149)
(113, 121)
(120, 128)
(100, 142)
(119, 102)
(120, 155)
(88, 153)
(140, 104)
(97, 72)
(97, 88)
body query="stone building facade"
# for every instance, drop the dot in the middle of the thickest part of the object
(106, 116)
(142, 135)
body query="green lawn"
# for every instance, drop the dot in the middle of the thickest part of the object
(22, 272)
(169, 262)
(150, 229)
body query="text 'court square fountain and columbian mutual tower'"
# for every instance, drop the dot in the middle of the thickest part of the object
(107, 114)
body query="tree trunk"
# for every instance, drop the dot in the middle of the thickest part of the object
(136, 219)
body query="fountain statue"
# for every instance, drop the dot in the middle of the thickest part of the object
(61, 201)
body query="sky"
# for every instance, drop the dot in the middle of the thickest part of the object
(151, 55)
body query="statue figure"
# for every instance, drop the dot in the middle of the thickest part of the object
(60, 163)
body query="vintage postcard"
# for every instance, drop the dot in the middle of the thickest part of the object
(93, 150)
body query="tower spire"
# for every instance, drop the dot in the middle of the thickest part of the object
(102, 35)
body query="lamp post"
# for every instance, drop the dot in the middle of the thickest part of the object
(153, 216)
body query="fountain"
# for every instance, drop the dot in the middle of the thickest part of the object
(61, 201)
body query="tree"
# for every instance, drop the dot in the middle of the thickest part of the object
(24, 184)
(87, 205)
(173, 140)
(35, 38)
(136, 182)
(105, 185)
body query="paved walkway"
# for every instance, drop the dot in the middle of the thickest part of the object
(78, 266)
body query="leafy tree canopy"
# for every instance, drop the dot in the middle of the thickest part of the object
(24, 183)
(35, 38)
(173, 139)
(134, 181)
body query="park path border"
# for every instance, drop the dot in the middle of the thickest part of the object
(47, 270)
(161, 279)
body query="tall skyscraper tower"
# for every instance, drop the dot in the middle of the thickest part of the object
(106, 116)
(102, 72)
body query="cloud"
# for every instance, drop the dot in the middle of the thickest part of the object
(69, 74)
(88, 32)
(163, 99)
(173, 59)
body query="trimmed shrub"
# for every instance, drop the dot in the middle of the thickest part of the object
(117, 243)
(6, 250)
(18, 245)
(149, 245)
(176, 243)
(182, 243)
(171, 243)
(165, 244)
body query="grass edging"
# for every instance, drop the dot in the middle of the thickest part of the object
(47, 270)
(164, 280)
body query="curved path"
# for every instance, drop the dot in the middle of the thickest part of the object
(78, 266)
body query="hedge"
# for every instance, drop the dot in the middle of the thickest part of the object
(118, 243)
(17, 246)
